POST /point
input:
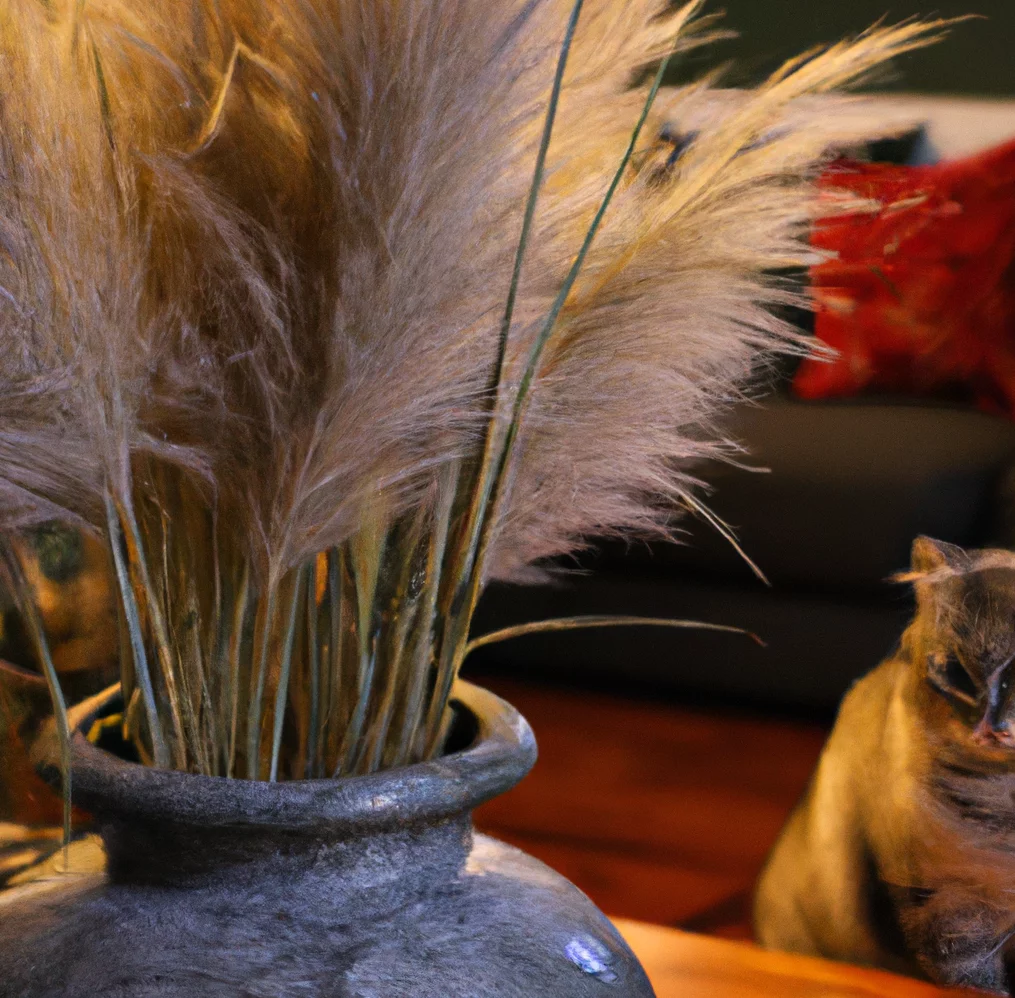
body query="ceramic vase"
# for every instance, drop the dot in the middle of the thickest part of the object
(368, 887)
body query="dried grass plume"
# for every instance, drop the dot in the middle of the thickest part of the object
(254, 290)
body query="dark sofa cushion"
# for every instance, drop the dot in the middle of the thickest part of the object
(850, 485)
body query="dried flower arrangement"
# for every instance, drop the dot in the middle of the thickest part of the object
(324, 314)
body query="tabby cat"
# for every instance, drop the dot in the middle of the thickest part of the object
(902, 852)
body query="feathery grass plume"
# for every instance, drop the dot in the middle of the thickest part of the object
(302, 321)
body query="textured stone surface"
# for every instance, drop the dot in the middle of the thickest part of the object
(374, 887)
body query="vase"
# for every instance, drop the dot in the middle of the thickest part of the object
(368, 887)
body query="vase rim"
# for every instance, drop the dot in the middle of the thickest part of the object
(501, 754)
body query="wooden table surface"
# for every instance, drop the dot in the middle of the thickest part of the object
(684, 965)
(658, 811)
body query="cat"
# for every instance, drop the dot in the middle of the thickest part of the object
(901, 854)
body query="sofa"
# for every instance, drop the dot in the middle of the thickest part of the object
(849, 484)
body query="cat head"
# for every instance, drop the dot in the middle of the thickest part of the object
(963, 635)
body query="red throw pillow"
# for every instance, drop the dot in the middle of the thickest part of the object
(921, 299)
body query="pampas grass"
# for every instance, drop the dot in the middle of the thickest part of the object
(323, 314)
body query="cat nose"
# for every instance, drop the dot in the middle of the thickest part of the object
(992, 735)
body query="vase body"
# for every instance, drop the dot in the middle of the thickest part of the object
(371, 887)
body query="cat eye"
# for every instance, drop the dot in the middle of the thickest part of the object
(1003, 686)
(958, 679)
(950, 676)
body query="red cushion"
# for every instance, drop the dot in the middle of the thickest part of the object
(921, 298)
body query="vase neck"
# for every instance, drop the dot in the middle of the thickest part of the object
(167, 854)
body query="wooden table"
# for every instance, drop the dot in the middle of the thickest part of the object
(682, 965)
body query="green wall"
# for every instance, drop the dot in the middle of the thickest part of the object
(977, 58)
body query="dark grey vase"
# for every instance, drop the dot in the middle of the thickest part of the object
(371, 887)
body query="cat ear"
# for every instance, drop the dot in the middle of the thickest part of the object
(929, 556)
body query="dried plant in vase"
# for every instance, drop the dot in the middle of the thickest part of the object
(321, 315)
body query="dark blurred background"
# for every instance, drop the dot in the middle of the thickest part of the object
(976, 60)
